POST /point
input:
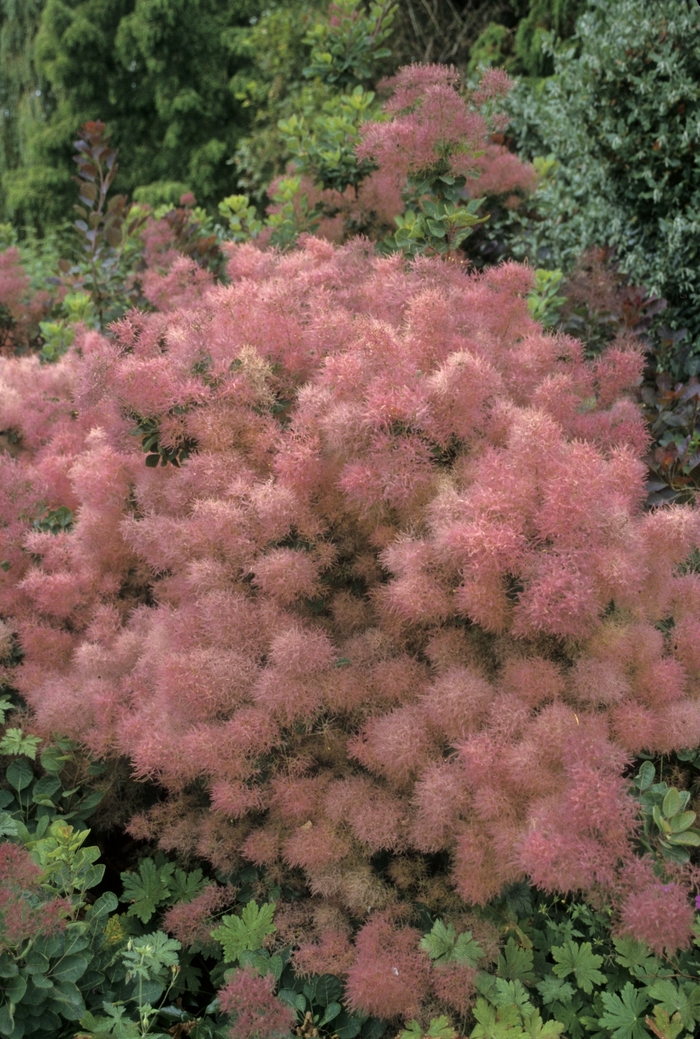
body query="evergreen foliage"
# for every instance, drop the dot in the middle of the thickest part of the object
(157, 73)
(518, 47)
(617, 129)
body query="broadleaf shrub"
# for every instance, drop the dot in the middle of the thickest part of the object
(617, 125)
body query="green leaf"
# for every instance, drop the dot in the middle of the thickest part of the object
(580, 961)
(8, 825)
(437, 229)
(54, 760)
(635, 957)
(51, 945)
(259, 960)
(35, 962)
(492, 1023)
(443, 945)
(149, 956)
(328, 990)
(147, 889)
(5, 702)
(516, 964)
(70, 968)
(690, 838)
(672, 803)
(42, 982)
(247, 931)
(36, 996)
(8, 965)
(467, 950)
(67, 995)
(186, 886)
(682, 821)
(512, 993)
(374, 1028)
(331, 1012)
(7, 1022)
(19, 774)
(624, 1015)
(45, 788)
(15, 987)
(347, 1026)
(538, 1030)
(674, 999)
(440, 1028)
(669, 1027)
(554, 990)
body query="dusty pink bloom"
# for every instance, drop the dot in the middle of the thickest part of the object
(261, 847)
(659, 915)
(23, 914)
(311, 846)
(394, 590)
(331, 954)
(494, 83)
(454, 983)
(395, 745)
(440, 796)
(255, 1010)
(191, 922)
(390, 975)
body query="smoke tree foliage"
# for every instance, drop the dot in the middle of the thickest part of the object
(358, 571)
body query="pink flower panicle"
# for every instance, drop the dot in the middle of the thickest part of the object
(24, 913)
(256, 1012)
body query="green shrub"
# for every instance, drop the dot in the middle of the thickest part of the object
(518, 49)
(158, 74)
(619, 126)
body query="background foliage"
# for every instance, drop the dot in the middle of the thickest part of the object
(617, 130)
(158, 73)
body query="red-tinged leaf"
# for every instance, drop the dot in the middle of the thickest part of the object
(88, 192)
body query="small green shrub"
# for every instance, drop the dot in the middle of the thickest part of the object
(618, 125)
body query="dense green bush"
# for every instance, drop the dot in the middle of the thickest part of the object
(616, 131)
(517, 45)
(158, 74)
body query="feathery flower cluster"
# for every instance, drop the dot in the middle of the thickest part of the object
(21, 308)
(24, 913)
(256, 1010)
(425, 120)
(401, 596)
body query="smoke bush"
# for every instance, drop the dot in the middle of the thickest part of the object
(401, 595)
(20, 308)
